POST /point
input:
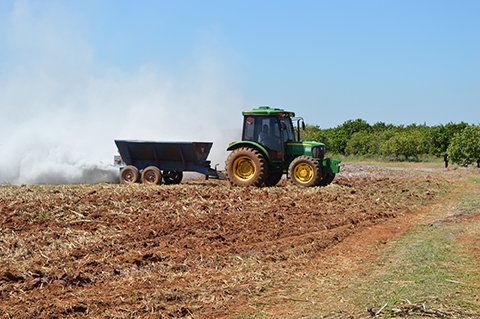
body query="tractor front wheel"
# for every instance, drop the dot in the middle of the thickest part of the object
(152, 176)
(305, 171)
(129, 175)
(246, 167)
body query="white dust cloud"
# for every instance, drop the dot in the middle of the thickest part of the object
(60, 112)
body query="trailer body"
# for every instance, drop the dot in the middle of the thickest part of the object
(167, 156)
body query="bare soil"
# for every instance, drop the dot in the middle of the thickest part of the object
(201, 249)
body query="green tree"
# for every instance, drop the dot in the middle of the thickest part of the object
(314, 133)
(367, 144)
(361, 143)
(310, 133)
(404, 143)
(464, 148)
(441, 135)
(341, 134)
(379, 126)
(350, 127)
(357, 137)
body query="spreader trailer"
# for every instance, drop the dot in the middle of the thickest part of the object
(162, 162)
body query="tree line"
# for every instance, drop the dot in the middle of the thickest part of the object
(399, 142)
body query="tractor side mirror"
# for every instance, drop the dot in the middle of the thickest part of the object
(303, 125)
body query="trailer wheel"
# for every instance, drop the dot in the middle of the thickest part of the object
(246, 167)
(129, 175)
(305, 171)
(327, 179)
(273, 178)
(152, 176)
(172, 177)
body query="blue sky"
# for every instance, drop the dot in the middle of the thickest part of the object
(330, 61)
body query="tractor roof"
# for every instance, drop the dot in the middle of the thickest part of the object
(265, 110)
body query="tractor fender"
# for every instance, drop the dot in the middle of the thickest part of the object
(249, 144)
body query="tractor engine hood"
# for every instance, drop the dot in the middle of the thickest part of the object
(313, 149)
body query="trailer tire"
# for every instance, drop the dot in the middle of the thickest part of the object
(172, 177)
(246, 167)
(273, 178)
(304, 171)
(129, 175)
(152, 176)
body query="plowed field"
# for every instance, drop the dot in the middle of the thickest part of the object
(200, 249)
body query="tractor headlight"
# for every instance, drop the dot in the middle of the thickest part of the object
(318, 151)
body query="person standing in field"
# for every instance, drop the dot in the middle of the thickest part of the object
(445, 159)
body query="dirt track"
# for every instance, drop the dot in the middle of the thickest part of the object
(199, 249)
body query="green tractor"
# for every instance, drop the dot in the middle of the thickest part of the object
(270, 148)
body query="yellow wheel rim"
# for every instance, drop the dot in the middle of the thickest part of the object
(244, 168)
(303, 172)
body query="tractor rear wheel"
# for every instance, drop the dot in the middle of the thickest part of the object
(305, 171)
(327, 179)
(172, 177)
(129, 175)
(151, 176)
(273, 178)
(246, 167)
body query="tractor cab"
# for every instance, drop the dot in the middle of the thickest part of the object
(271, 128)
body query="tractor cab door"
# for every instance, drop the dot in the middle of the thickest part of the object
(287, 131)
(267, 131)
(288, 134)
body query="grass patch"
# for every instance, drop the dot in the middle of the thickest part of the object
(471, 201)
(42, 214)
(429, 267)
(475, 180)
(421, 271)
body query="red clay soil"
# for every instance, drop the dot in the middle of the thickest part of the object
(199, 249)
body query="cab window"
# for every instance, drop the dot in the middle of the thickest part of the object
(287, 130)
(264, 130)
